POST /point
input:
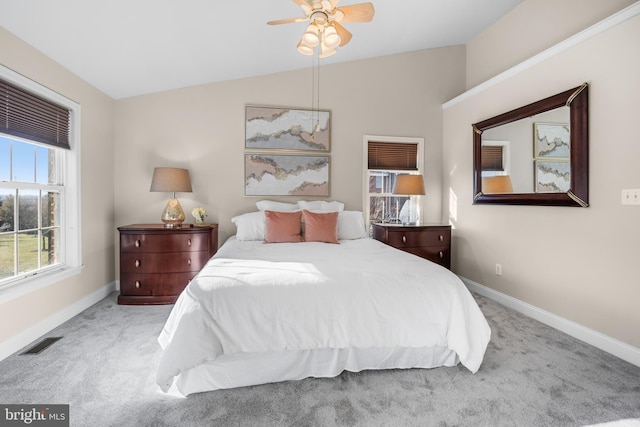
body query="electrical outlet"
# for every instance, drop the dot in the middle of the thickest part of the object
(499, 269)
(631, 197)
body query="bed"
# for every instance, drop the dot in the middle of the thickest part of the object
(260, 313)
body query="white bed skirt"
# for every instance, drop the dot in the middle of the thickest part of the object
(248, 369)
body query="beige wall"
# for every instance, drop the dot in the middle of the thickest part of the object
(17, 315)
(580, 264)
(202, 128)
(530, 28)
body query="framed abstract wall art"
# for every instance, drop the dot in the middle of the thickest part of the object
(551, 140)
(268, 128)
(552, 176)
(551, 152)
(286, 174)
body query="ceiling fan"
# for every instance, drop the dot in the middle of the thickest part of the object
(325, 28)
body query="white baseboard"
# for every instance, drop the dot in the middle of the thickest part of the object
(13, 344)
(620, 349)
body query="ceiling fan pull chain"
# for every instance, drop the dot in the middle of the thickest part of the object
(313, 93)
(315, 98)
(317, 128)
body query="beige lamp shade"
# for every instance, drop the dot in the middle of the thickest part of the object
(171, 180)
(409, 184)
(497, 184)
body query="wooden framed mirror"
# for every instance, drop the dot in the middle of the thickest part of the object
(535, 155)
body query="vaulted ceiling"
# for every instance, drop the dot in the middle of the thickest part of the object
(132, 47)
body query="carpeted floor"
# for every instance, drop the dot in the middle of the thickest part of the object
(532, 375)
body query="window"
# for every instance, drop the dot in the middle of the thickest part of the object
(386, 158)
(29, 208)
(495, 158)
(39, 181)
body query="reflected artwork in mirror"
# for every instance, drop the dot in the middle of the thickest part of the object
(535, 155)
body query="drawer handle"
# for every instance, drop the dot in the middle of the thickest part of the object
(137, 263)
(189, 261)
(189, 242)
(137, 284)
(441, 237)
(441, 254)
(137, 243)
(404, 239)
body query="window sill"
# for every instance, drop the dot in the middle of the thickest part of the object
(33, 283)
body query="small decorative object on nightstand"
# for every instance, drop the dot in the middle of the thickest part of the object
(157, 263)
(199, 214)
(432, 242)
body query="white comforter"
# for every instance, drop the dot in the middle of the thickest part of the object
(263, 298)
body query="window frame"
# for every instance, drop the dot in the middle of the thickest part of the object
(365, 180)
(506, 157)
(70, 203)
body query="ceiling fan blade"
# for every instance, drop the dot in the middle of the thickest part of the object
(362, 12)
(286, 21)
(306, 8)
(345, 36)
(334, 3)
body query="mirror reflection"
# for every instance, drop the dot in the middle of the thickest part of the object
(530, 155)
(537, 154)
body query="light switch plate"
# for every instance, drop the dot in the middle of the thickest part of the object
(631, 197)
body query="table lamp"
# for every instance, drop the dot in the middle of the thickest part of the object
(497, 184)
(410, 185)
(171, 180)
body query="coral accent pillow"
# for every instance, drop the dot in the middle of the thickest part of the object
(282, 227)
(320, 227)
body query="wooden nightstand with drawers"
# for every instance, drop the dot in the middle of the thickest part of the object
(432, 242)
(157, 263)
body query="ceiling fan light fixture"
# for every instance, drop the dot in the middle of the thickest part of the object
(331, 38)
(304, 48)
(325, 23)
(311, 36)
(326, 51)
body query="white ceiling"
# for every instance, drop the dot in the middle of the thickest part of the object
(133, 47)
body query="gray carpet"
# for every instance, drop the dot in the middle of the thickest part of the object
(532, 375)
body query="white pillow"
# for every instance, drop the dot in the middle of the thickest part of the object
(321, 206)
(250, 226)
(271, 205)
(351, 225)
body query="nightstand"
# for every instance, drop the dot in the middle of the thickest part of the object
(432, 242)
(157, 263)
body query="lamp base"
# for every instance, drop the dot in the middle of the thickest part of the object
(170, 225)
(173, 215)
(408, 214)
